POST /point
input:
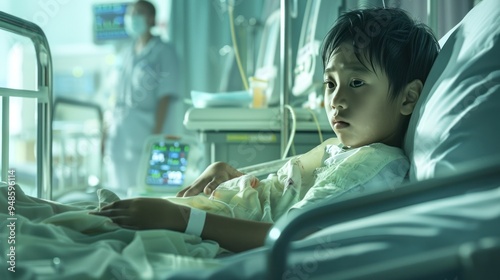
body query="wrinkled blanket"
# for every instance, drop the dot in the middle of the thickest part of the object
(51, 239)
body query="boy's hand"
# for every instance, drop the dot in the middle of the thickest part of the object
(210, 179)
(146, 213)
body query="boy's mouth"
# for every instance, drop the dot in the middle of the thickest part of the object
(340, 124)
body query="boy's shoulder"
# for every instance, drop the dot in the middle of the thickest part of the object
(378, 149)
(381, 147)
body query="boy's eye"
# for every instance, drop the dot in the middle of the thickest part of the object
(329, 85)
(356, 83)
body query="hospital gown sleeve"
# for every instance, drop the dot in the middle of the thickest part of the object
(355, 172)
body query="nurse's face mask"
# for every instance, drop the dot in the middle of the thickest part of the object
(135, 25)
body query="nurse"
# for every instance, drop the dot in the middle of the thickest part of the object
(147, 99)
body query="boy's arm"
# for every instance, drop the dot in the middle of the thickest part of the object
(235, 235)
(214, 175)
(232, 234)
(219, 172)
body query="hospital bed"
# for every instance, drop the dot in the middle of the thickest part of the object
(43, 96)
(443, 224)
(77, 149)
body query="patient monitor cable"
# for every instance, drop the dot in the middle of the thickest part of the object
(235, 44)
(294, 128)
(292, 134)
(317, 125)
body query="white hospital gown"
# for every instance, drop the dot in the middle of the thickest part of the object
(346, 173)
(352, 172)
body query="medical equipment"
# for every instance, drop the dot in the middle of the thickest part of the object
(230, 9)
(267, 69)
(245, 136)
(109, 22)
(77, 148)
(221, 99)
(168, 164)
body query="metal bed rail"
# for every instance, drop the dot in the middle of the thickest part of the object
(59, 186)
(43, 94)
(466, 179)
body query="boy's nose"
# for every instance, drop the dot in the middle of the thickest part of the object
(338, 101)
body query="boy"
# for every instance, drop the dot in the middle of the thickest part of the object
(376, 61)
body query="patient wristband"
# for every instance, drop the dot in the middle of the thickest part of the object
(196, 222)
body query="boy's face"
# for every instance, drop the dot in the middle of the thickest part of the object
(357, 102)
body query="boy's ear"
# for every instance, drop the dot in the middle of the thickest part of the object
(410, 97)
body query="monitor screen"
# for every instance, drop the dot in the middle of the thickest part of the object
(109, 22)
(167, 164)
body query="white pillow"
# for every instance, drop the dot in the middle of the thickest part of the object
(457, 116)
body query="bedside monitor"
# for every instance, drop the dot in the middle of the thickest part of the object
(169, 163)
(109, 22)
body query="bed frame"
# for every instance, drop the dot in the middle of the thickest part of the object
(43, 95)
(474, 176)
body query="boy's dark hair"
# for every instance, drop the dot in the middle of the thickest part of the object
(389, 38)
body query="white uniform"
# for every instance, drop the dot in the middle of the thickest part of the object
(144, 79)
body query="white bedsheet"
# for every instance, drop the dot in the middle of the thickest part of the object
(88, 246)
